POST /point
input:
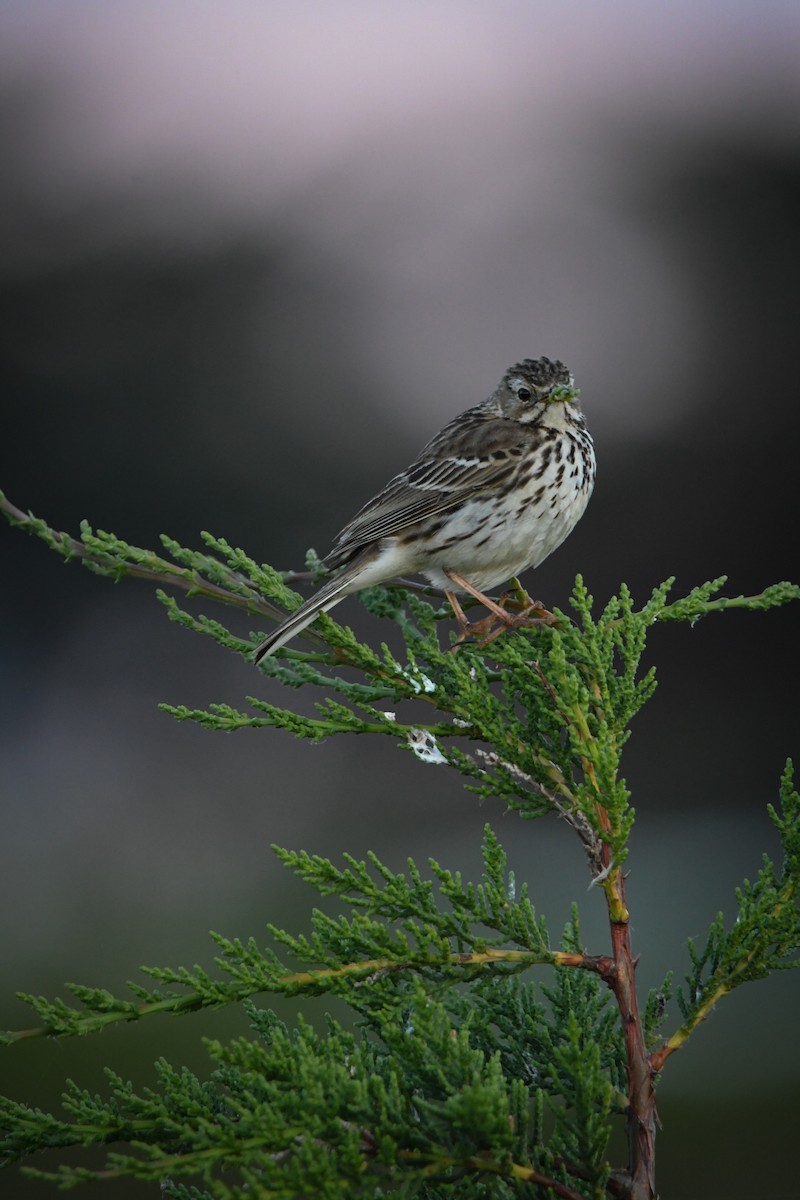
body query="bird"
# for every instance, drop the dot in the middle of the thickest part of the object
(494, 493)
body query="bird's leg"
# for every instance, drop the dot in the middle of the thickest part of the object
(465, 626)
(499, 618)
(469, 628)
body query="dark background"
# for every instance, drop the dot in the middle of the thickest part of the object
(250, 263)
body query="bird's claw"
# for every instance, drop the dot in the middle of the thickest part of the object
(500, 619)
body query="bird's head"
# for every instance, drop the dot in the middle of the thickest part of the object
(535, 388)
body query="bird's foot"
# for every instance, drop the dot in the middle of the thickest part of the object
(492, 626)
(529, 613)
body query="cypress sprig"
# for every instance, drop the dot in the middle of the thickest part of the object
(763, 937)
(401, 922)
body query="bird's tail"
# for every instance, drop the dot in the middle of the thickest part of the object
(329, 594)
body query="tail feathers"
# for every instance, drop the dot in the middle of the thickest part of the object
(328, 595)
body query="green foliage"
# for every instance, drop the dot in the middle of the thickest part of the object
(480, 1059)
(399, 923)
(420, 1103)
(765, 934)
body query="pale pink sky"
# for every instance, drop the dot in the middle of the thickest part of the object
(258, 100)
(463, 166)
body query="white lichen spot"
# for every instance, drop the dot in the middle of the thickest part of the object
(418, 680)
(425, 746)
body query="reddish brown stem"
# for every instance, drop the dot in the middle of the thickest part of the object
(641, 1093)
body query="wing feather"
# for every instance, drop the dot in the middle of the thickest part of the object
(447, 472)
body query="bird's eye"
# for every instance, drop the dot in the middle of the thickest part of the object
(524, 393)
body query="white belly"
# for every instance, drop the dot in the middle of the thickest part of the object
(488, 550)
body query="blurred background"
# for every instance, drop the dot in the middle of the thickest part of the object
(251, 259)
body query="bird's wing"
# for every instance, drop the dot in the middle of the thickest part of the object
(456, 465)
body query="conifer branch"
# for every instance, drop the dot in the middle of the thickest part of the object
(105, 1009)
(117, 560)
(408, 901)
(108, 555)
(764, 937)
